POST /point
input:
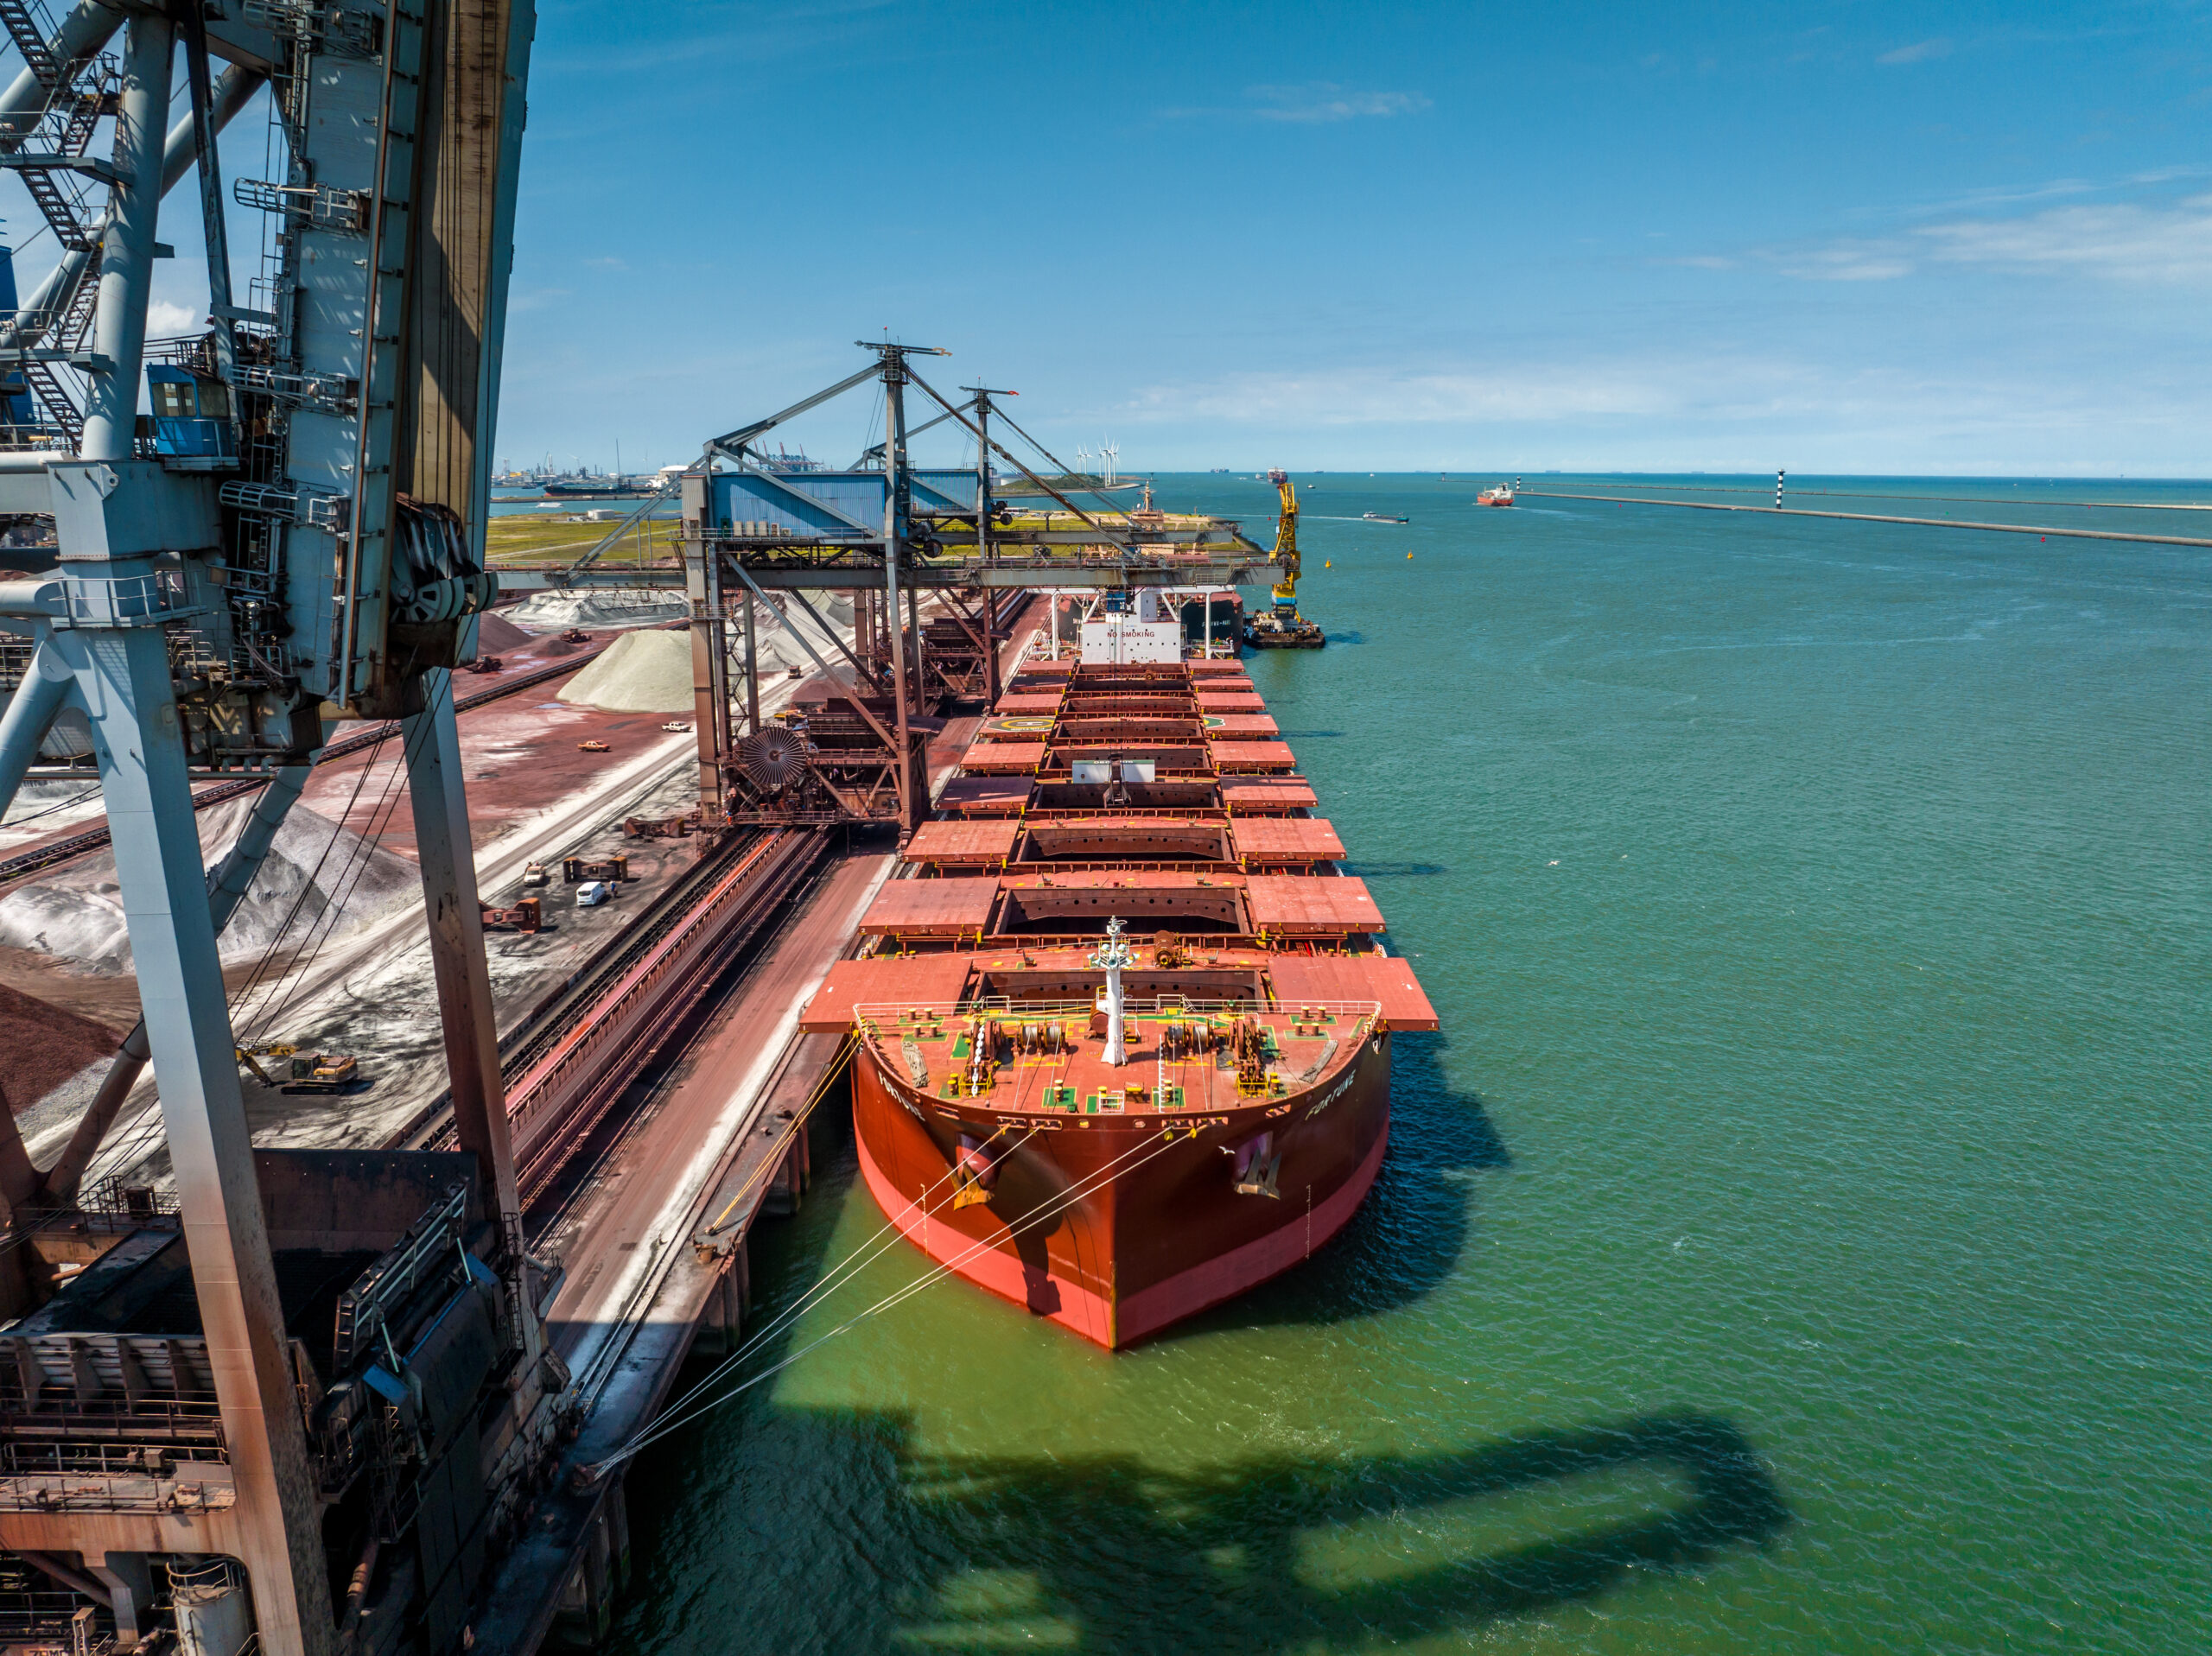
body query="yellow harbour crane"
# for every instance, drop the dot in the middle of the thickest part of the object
(1282, 627)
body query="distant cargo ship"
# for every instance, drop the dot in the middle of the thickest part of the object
(1500, 496)
(1112, 1130)
(598, 488)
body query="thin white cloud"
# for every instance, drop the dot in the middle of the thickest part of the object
(1846, 261)
(2165, 244)
(164, 319)
(1715, 410)
(1317, 102)
(1980, 200)
(2169, 246)
(1919, 52)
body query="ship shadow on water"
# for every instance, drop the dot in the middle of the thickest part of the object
(1408, 1237)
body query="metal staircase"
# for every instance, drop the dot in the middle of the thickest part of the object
(30, 32)
(66, 334)
(51, 160)
(53, 154)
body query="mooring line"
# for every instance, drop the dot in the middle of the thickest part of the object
(1057, 1205)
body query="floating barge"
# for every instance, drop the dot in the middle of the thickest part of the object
(1124, 1024)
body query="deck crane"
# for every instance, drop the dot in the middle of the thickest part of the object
(1282, 627)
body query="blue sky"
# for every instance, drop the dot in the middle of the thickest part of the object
(1868, 238)
(1864, 238)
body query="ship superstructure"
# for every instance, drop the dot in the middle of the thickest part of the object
(1124, 1028)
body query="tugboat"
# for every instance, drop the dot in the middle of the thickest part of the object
(1381, 517)
(1281, 627)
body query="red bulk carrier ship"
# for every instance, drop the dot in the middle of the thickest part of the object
(1124, 1036)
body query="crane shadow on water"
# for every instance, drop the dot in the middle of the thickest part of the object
(1281, 1554)
(1109, 1554)
(780, 1527)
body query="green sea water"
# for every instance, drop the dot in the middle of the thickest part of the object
(1799, 1238)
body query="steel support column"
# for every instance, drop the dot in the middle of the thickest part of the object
(990, 648)
(894, 536)
(917, 644)
(214, 231)
(751, 668)
(123, 677)
(127, 252)
(709, 687)
(29, 715)
(718, 667)
(432, 741)
(983, 545)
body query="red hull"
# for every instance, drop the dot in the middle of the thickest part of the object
(1123, 1031)
(1157, 1233)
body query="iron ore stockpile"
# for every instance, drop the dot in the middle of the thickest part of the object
(1124, 1025)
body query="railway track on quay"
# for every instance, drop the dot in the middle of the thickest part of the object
(568, 1061)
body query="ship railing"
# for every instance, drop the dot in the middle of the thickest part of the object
(1199, 947)
(1150, 862)
(1072, 816)
(872, 1018)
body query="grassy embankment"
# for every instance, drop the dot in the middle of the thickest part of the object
(529, 540)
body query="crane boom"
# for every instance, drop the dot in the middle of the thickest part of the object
(1281, 627)
(1285, 592)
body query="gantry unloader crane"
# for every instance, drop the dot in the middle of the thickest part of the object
(1282, 627)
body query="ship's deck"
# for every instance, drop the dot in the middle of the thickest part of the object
(1156, 795)
(1049, 1057)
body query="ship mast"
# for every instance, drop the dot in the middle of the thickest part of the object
(1110, 957)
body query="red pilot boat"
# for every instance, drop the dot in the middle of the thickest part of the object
(1124, 1038)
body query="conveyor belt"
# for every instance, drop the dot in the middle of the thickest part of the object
(60, 851)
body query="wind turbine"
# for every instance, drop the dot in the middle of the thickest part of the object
(1111, 452)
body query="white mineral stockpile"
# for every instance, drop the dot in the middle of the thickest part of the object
(324, 879)
(640, 672)
(779, 651)
(44, 808)
(556, 612)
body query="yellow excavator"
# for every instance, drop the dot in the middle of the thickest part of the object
(313, 1072)
(1282, 627)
